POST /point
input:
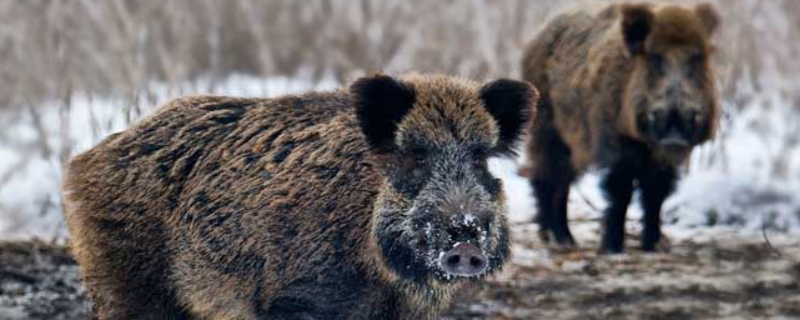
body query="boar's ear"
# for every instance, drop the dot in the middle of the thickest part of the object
(381, 102)
(512, 104)
(637, 24)
(708, 17)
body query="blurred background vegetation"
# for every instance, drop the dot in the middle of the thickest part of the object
(50, 48)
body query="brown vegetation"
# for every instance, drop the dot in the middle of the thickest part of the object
(52, 47)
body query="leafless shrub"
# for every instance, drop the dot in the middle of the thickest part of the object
(119, 46)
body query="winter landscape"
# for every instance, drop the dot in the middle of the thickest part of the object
(95, 67)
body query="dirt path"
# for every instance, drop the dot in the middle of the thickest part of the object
(726, 278)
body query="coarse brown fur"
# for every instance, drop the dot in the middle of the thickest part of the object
(232, 208)
(628, 87)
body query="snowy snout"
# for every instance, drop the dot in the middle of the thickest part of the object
(464, 260)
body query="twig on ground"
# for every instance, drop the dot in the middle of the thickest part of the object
(767, 242)
(586, 200)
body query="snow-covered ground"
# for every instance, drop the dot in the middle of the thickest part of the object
(745, 180)
(734, 184)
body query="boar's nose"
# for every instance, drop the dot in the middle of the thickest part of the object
(464, 260)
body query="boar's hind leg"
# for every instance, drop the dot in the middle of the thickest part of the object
(618, 188)
(551, 181)
(656, 183)
(125, 275)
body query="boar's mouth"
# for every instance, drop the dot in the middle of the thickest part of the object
(674, 145)
(674, 150)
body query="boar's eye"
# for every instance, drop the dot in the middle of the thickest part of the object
(414, 168)
(699, 119)
(696, 60)
(420, 156)
(657, 63)
(695, 64)
(418, 166)
(480, 157)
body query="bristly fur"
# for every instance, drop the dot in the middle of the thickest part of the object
(329, 205)
(618, 85)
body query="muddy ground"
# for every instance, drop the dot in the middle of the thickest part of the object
(720, 277)
(39, 281)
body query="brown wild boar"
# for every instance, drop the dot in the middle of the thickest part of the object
(628, 88)
(368, 203)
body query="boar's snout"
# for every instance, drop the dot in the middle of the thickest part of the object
(464, 260)
(672, 131)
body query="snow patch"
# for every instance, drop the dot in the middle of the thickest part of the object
(747, 178)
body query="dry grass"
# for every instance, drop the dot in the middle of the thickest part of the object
(53, 47)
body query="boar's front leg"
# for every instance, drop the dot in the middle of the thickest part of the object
(656, 184)
(618, 187)
(551, 182)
